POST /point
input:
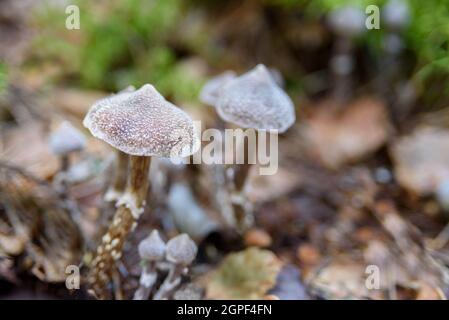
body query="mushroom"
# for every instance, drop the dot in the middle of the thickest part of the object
(118, 185)
(66, 139)
(151, 250)
(180, 253)
(142, 124)
(210, 92)
(347, 22)
(255, 101)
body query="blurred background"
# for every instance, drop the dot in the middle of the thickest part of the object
(364, 172)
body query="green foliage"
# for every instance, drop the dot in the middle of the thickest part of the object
(125, 42)
(3, 78)
(426, 37)
(120, 42)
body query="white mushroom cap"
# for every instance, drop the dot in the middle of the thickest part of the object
(181, 250)
(396, 14)
(152, 248)
(211, 90)
(254, 100)
(277, 77)
(142, 123)
(66, 139)
(347, 21)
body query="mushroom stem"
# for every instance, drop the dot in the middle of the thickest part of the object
(62, 177)
(342, 66)
(147, 280)
(65, 163)
(138, 180)
(130, 206)
(121, 173)
(172, 280)
(240, 204)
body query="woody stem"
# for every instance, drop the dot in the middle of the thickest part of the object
(125, 219)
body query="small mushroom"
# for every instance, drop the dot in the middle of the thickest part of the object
(347, 22)
(180, 253)
(118, 185)
(142, 124)
(151, 250)
(210, 92)
(65, 140)
(255, 101)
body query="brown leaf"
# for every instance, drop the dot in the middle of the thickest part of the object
(27, 147)
(421, 159)
(74, 101)
(340, 138)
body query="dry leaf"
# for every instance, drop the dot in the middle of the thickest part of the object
(263, 188)
(74, 101)
(421, 159)
(248, 274)
(340, 138)
(36, 221)
(341, 280)
(27, 147)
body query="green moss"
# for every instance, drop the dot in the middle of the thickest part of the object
(120, 42)
(3, 78)
(247, 274)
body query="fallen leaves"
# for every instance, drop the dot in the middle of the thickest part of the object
(421, 159)
(74, 101)
(35, 222)
(358, 130)
(27, 147)
(247, 274)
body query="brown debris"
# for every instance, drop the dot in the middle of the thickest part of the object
(337, 139)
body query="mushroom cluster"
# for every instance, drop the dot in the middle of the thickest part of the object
(158, 257)
(253, 100)
(140, 124)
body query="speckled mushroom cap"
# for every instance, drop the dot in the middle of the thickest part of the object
(181, 250)
(254, 100)
(66, 139)
(210, 92)
(152, 248)
(143, 123)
